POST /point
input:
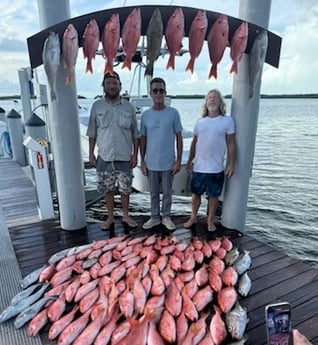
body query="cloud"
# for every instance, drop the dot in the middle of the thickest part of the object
(12, 45)
(298, 52)
(295, 21)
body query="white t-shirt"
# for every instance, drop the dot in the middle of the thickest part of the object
(211, 144)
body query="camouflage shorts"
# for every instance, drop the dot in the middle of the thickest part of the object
(112, 175)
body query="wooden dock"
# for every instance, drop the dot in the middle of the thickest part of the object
(275, 276)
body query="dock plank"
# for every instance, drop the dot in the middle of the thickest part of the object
(275, 276)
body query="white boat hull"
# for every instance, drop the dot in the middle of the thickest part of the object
(180, 185)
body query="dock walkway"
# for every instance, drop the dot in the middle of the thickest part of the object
(26, 243)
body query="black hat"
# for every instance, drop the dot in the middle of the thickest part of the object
(111, 75)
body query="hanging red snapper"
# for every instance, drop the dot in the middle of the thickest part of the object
(197, 34)
(238, 45)
(90, 43)
(218, 39)
(110, 41)
(70, 51)
(174, 33)
(130, 36)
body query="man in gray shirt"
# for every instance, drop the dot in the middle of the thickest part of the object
(113, 129)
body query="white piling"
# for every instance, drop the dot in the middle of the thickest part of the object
(65, 132)
(245, 113)
(16, 137)
(25, 93)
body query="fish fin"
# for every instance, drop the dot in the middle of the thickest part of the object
(170, 62)
(234, 67)
(89, 67)
(190, 65)
(53, 95)
(108, 67)
(127, 63)
(213, 71)
(251, 91)
(69, 79)
(149, 69)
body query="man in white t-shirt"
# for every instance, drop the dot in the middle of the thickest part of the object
(213, 138)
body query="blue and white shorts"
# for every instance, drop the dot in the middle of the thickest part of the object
(111, 175)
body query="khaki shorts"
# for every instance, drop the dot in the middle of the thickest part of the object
(113, 175)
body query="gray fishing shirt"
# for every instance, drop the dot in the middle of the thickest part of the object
(114, 126)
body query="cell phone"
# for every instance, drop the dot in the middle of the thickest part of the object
(278, 324)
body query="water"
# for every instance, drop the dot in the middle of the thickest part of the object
(283, 192)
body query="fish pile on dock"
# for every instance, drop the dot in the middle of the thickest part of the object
(142, 290)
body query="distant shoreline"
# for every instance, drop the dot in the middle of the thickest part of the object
(307, 95)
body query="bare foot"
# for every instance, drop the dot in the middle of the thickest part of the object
(108, 224)
(130, 222)
(189, 223)
(211, 227)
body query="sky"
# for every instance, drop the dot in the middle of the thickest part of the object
(296, 21)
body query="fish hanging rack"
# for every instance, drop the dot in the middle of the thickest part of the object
(36, 42)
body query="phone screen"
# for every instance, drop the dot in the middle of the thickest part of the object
(278, 322)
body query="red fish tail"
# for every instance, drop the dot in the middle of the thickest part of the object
(213, 71)
(234, 68)
(170, 62)
(108, 67)
(89, 67)
(69, 78)
(190, 65)
(127, 63)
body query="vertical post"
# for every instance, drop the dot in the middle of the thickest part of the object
(65, 132)
(16, 136)
(245, 113)
(25, 93)
(35, 127)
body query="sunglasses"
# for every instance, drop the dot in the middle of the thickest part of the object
(158, 90)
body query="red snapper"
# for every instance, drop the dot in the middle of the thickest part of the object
(70, 51)
(130, 36)
(90, 43)
(218, 39)
(238, 45)
(174, 33)
(110, 41)
(197, 34)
